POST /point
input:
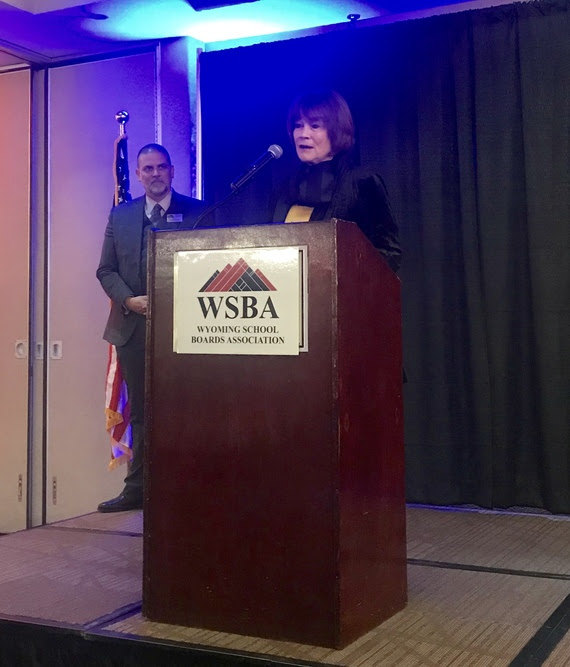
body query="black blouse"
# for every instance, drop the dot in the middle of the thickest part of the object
(337, 189)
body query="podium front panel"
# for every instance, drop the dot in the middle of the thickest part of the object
(243, 469)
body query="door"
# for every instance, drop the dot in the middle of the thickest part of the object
(83, 101)
(14, 296)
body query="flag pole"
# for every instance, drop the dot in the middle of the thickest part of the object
(122, 117)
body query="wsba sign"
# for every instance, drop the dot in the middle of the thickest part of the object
(245, 301)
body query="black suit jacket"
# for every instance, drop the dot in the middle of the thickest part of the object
(359, 196)
(119, 269)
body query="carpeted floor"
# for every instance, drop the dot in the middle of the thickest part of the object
(71, 572)
(484, 589)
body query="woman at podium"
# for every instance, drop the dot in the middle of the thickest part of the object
(327, 183)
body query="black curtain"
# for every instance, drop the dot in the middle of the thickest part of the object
(467, 118)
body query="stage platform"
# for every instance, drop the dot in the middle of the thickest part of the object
(485, 589)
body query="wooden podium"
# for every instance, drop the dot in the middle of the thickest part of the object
(274, 485)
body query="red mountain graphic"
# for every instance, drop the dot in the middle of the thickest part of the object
(238, 278)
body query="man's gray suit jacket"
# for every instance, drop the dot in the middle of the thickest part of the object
(119, 269)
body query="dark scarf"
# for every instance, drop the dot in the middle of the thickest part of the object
(313, 185)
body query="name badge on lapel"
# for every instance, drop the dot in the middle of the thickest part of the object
(174, 217)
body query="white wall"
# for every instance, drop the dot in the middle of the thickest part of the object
(70, 119)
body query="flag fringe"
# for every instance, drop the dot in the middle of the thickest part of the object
(112, 418)
(118, 461)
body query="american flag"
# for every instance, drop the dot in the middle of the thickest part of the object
(117, 408)
(121, 171)
(117, 412)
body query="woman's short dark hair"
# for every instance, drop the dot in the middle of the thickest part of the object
(332, 110)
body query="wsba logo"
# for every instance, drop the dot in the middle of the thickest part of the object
(238, 310)
(234, 281)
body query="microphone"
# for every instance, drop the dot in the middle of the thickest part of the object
(274, 152)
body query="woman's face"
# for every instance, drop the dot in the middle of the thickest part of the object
(312, 141)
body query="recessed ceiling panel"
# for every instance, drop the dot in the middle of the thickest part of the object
(47, 30)
(154, 19)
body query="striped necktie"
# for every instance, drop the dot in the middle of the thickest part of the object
(156, 214)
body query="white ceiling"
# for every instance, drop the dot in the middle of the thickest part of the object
(47, 31)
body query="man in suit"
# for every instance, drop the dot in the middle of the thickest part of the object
(122, 274)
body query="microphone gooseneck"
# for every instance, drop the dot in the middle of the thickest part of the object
(274, 152)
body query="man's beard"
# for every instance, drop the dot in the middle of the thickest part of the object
(158, 187)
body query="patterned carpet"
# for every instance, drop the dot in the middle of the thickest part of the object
(72, 572)
(484, 589)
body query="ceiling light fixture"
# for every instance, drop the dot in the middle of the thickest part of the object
(200, 5)
(93, 15)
